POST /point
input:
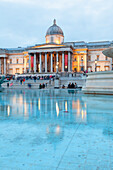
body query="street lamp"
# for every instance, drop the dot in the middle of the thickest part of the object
(95, 64)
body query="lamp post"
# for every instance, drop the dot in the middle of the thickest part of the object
(95, 64)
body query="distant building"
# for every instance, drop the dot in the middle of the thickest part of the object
(56, 55)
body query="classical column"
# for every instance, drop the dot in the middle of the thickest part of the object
(0, 66)
(69, 61)
(34, 62)
(57, 57)
(29, 63)
(4, 65)
(78, 69)
(40, 59)
(57, 62)
(85, 61)
(62, 61)
(46, 62)
(25, 63)
(51, 62)
(110, 64)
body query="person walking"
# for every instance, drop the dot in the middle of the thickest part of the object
(24, 81)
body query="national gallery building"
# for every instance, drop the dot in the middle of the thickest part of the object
(56, 56)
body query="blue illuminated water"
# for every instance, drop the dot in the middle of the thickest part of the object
(55, 129)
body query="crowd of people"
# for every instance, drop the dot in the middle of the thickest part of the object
(22, 80)
(42, 86)
(48, 77)
(72, 85)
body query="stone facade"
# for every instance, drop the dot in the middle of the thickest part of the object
(56, 56)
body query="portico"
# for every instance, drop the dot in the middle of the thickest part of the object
(48, 60)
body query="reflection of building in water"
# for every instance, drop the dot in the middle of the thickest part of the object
(55, 133)
(8, 110)
(60, 110)
(80, 110)
(46, 105)
(63, 110)
(57, 109)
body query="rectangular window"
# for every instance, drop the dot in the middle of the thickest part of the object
(10, 61)
(106, 68)
(89, 58)
(106, 58)
(17, 70)
(17, 61)
(22, 70)
(81, 58)
(10, 71)
(97, 57)
(98, 68)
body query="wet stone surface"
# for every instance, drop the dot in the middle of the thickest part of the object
(55, 129)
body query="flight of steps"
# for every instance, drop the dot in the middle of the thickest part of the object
(79, 81)
(13, 84)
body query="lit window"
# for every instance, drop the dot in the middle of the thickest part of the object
(17, 61)
(106, 58)
(17, 70)
(97, 57)
(22, 70)
(81, 58)
(10, 61)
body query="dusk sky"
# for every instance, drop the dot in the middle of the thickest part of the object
(25, 22)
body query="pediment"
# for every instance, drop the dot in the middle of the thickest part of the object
(48, 45)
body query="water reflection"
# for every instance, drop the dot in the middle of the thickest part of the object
(55, 105)
(8, 110)
(57, 109)
(55, 133)
(50, 103)
(39, 104)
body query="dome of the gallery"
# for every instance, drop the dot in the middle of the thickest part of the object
(54, 30)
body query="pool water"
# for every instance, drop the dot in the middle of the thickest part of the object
(55, 129)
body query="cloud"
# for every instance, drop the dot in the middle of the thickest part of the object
(50, 4)
(26, 21)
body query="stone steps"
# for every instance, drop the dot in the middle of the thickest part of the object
(50, 84)
(16, 84)
(80, 83)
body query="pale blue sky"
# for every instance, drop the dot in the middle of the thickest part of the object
(25, 22)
